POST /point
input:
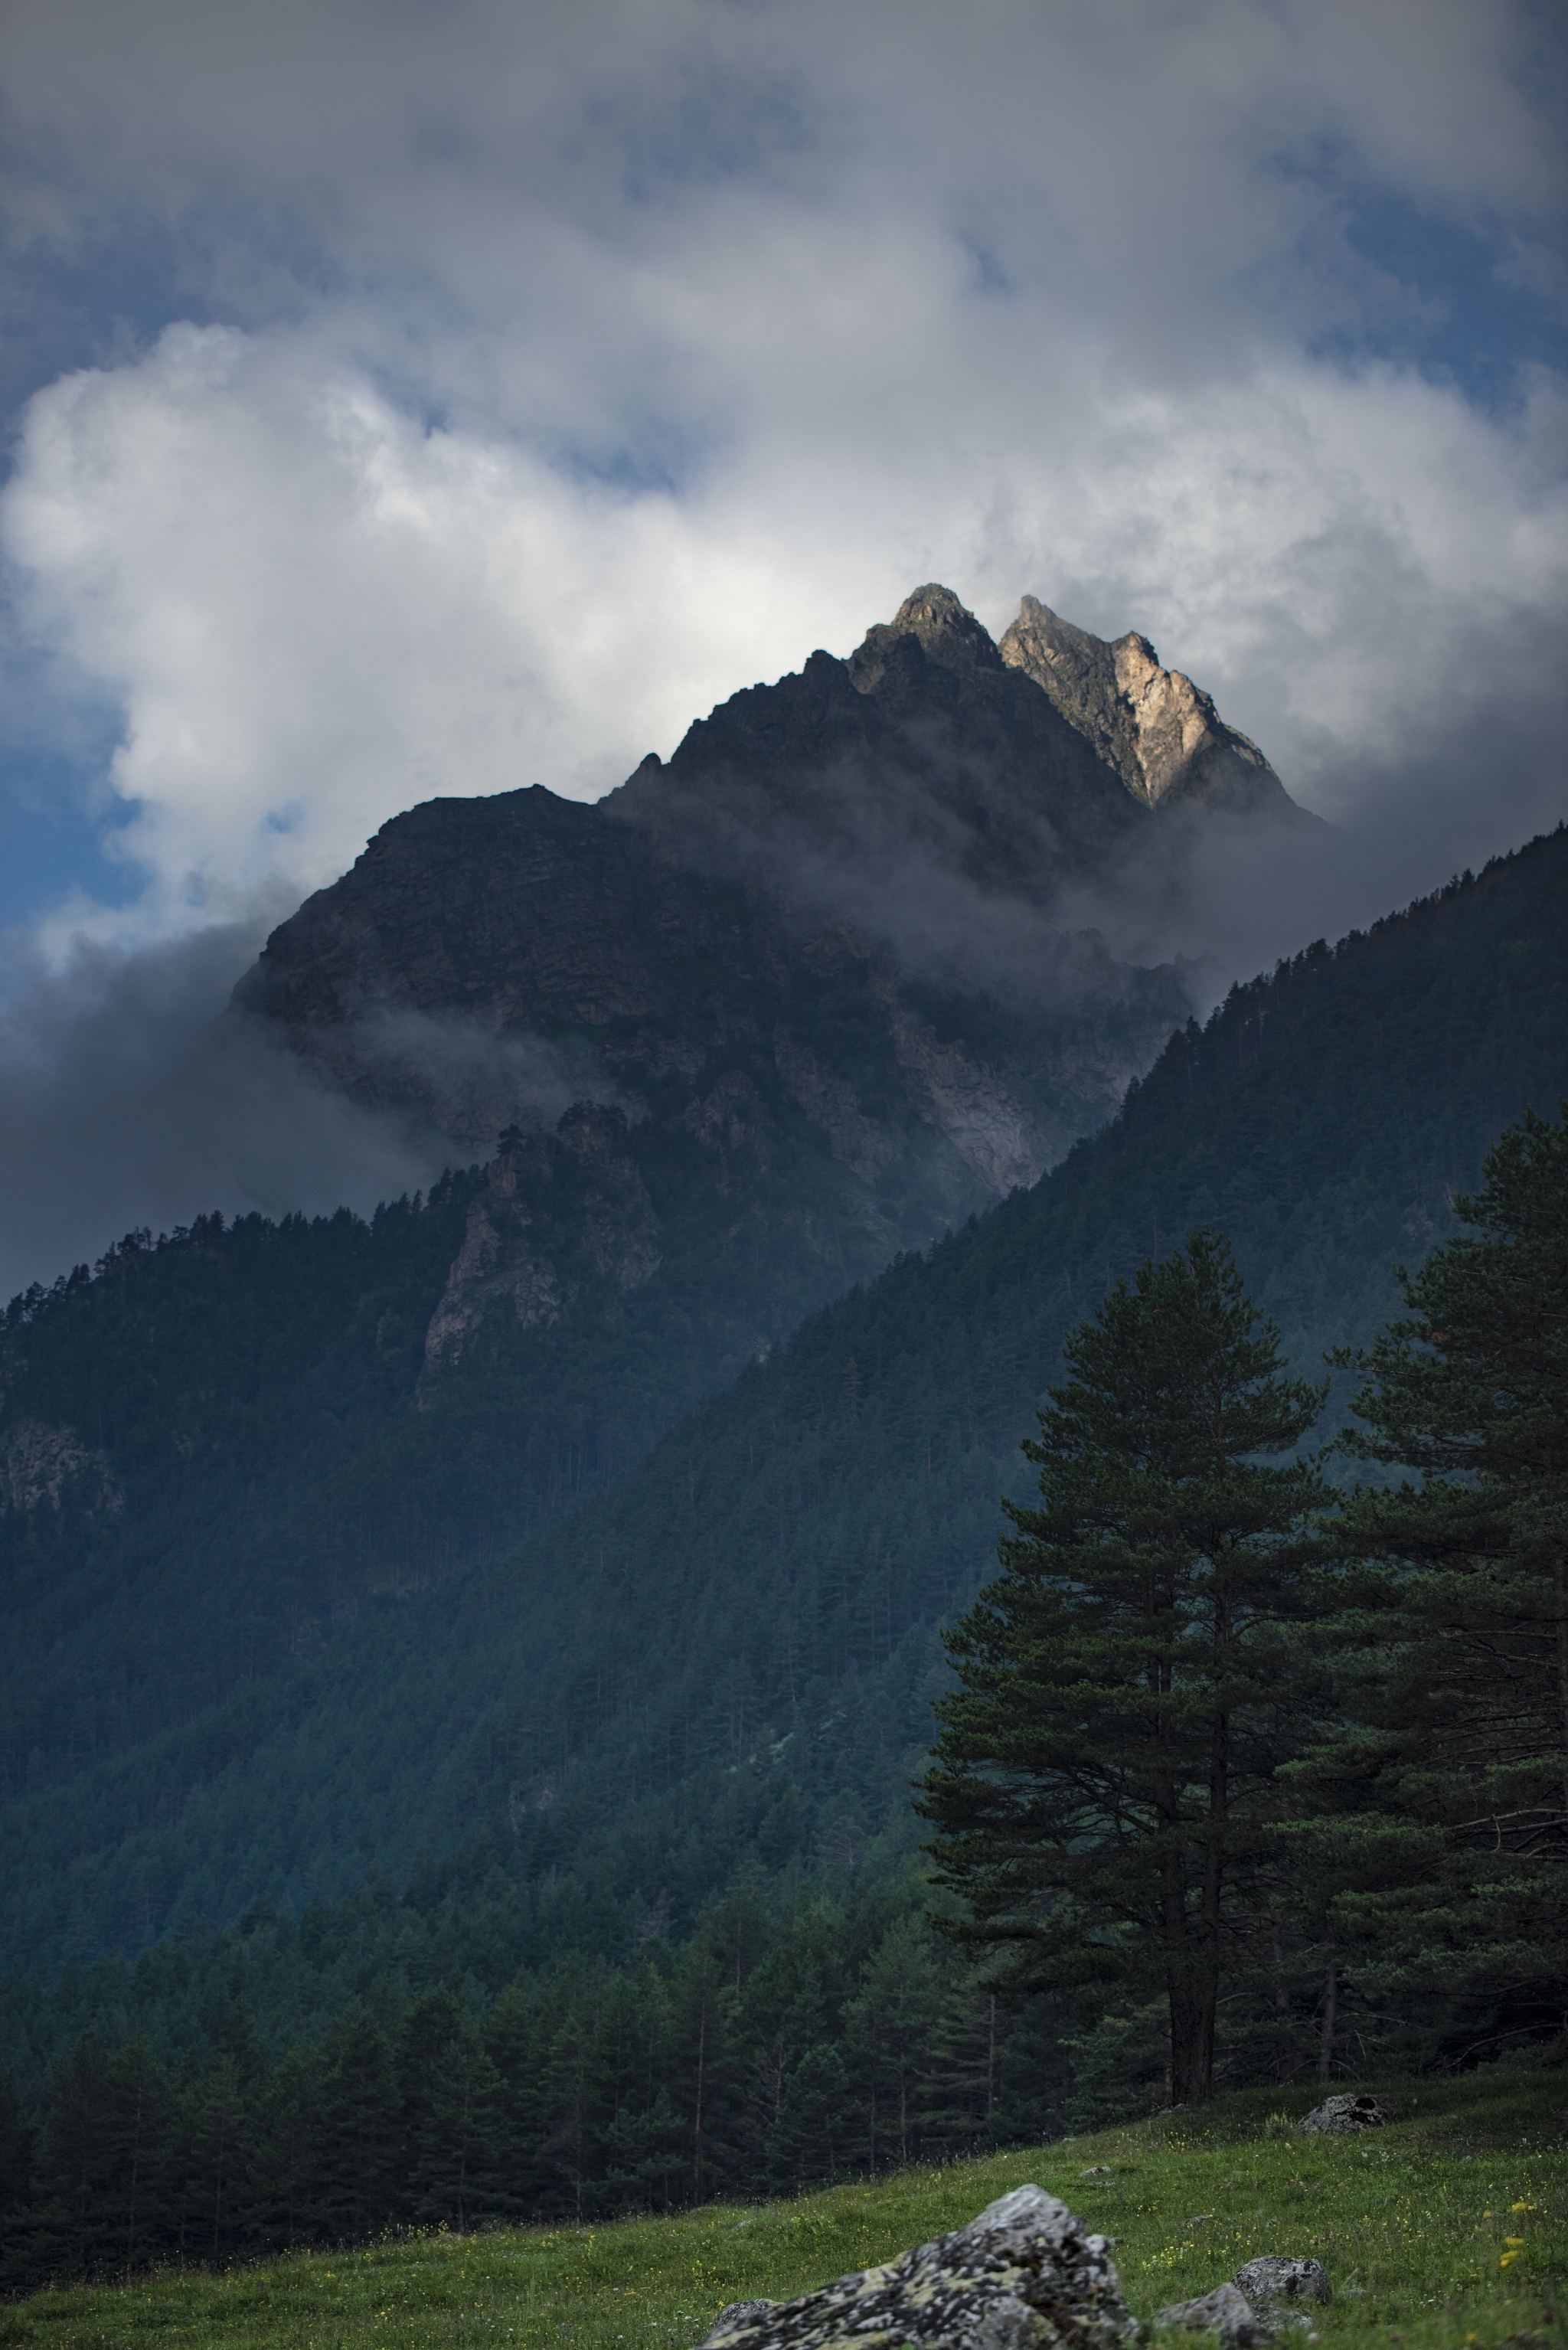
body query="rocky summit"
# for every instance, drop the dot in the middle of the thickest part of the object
(893, 832)
(1159, 731)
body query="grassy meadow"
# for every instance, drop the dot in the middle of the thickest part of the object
(1444, 2231)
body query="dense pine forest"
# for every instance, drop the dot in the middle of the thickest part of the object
(588, 1879)
(286, 2083)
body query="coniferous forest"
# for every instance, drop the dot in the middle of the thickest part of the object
(585, 1872)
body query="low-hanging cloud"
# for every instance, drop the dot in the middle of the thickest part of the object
(131, 1095)
(473, 1077)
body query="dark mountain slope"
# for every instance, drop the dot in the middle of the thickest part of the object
(724, 1655)
(721, 1100)
(256, 1433)
(484, 955)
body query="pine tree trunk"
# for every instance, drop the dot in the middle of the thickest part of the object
(697, 2117)
(1330, 2017)
(1179, 1984)
(1560, 1581)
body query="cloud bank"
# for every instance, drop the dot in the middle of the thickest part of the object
(130, 1096)
(508, 386)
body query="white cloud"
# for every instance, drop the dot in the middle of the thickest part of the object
(583, 365)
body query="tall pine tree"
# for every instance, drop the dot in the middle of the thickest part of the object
(1437, 1818)
(1104, 1769)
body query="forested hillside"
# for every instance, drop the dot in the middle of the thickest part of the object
(724, 1659)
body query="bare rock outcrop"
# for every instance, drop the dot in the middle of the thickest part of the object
(43, 1467)
(1251, 2310)
(558, 1212)
(1159, 732)
(1226, 2313)
(1352, 2110)
(1024, 2276)
(990, 1129)
(1282, 2277)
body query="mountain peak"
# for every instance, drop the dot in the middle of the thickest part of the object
(934, 610)
(947, 631)
(1159, 732)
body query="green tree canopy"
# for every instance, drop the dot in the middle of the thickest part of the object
(1103, 1768)
(1439, 1809)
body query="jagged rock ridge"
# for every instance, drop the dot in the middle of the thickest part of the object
(1157, 730)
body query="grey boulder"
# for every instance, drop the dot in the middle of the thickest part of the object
(1224, 2311)
(1024, 2275)
(1336, 2117)
(1276, 2277)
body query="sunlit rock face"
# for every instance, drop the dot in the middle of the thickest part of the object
(914, 788)
(1156, 729)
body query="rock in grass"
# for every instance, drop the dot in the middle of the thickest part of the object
(1276, 2277)
(1353, 2111)
(1224, 2311)
(1024, 2275)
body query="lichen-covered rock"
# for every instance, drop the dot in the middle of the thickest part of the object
(1278, 2276)
(1224, 2311)
(739, 2313)
(1354, 2110)
(1024, 2275)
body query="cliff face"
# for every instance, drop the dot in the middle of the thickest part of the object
(1156, 729)
(910, 788)
(558, 1212)
(808, 964)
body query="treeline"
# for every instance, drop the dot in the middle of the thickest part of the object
(780, 2046)
(787, 2042)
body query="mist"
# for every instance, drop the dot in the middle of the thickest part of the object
(1404, 820)
(471, 1078)
(130, 1096)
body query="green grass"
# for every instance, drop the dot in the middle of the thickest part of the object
(1412, 2223)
